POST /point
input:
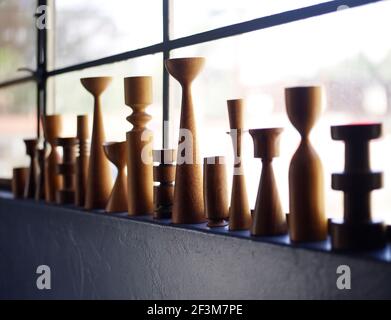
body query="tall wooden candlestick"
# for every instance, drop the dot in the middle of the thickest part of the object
(307, 218)
(81, 160)
(239, 211)
(52, 127)
(29, 190)
(99, 180)
(268, 217)
(138, 95)
(188, 194)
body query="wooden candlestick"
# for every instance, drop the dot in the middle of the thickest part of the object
(239, 212)
(81, 160)
(52, 127)
(99, 180)
(138, 95)
(215, 191)
(66, 195)
(188, 194)
(19, 178)
(40, 158)
(29, 190)
(268, 217)
(164, 176)
(307, 219)
(116, 153)
(357, 231)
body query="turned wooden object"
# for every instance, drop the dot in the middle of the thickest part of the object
(239, 212)
(19, 178)
(138, 95)
(31, 146)
(268, 217)
(81, 160)
(215, 191)
(40, 158)
(357, 230)
(99, 180)
(163, 176)
(307, 218)
(66, 195)
(188, 194)
(52, 128)
(116, 153)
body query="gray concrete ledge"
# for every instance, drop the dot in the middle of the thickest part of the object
(93, 255)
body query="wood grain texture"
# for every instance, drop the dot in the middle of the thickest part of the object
(99, 179)
(29, 190)
(82, 159)
(268, 217)
(188, 194)
(118, 200)
(138, 95)
(215, 191)
(239, 211)
(52, 128)
(307, 218)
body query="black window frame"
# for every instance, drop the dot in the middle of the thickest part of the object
(41, 74)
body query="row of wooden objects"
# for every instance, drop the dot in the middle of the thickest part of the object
(200, 190)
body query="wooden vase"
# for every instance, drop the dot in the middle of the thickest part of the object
(99, 180)
(215, 191)
(116, 153)
(268, 217)
(138, 95)
(81, 160)
(239, 212)
(19, 178)
(188, 194)
(52, 127)
(29, 190)
(307, 219)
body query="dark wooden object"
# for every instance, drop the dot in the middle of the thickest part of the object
(82, 158)
(29, 190)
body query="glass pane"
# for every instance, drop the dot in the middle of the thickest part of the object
(197, 16)
(351, 59)
(72, 99)
(88, 30)
(17, 122)
(17, 37)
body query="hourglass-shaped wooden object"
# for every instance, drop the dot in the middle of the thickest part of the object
(116, 153)
(164, 176)
(31, 146)
(188, 194)
(239, 211)
(357, 231)
(138, 95)
(66, 195)
(40, 173)
(215, 191)
(268, 217)
(307, 219)
(99, 180)
(52, 127)
(81, 160)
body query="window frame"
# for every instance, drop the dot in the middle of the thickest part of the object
(41, 74)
